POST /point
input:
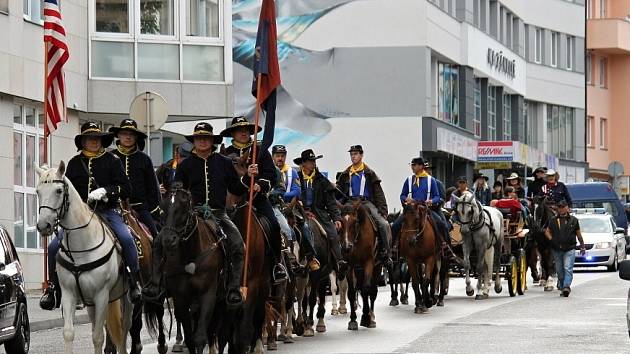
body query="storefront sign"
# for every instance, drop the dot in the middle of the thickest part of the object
(501, 63)
(495, 151)
(456, 144)
(493, 165)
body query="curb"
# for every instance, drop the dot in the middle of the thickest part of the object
(57, 323)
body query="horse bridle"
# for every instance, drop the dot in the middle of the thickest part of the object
(475, 225)
(419, 232)
(186, 229)
(62, 210)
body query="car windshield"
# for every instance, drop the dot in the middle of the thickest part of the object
(595, 225)
(611, 208)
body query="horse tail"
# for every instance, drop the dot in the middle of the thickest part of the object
(153, 313)
(114, 323)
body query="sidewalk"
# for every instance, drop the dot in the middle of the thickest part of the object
(42, 319)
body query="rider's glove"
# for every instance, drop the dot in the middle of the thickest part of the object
(98, 194)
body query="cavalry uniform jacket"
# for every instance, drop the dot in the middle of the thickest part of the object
(267, 176)
(102, 171)
(209, 180)
(290, 179)
(323, 203)
(557, 192)
(420, 188)
(145, 191)
(535, 188)
(363, 184)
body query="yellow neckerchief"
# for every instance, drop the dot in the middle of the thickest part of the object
(92, 154)
(420, 175)
(242, 146)
(126, 151)
(284, 171)
(309, 178)
(356, 171)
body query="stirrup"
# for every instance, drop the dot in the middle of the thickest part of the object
(279, 269)
(314, 265)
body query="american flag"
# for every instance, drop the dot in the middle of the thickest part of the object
(56, 57)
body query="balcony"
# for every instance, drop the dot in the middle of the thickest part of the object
(608, 35)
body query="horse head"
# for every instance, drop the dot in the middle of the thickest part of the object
(240, 163)
(414, 213)
(178, 218)
(467, 208)
(52, 191)
(353, 217)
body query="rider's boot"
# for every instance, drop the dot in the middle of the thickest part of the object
(135, 295)
(279, 272)
(51, 298)
(309, 249)
(385, 254)
(234, 297)
(340, 266)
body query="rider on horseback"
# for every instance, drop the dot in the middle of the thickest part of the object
(100, 179)
(145, 191)
(287, 189)
(361, 183)
(535, 188)
(555, 189)
(318, 198)
(241, 132)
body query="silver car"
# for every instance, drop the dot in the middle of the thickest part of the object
(605, 242)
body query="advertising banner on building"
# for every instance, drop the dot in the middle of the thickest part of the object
(456, 144)
(495, 151)
(501, 165)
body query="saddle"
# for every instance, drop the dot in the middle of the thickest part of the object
(137, 229)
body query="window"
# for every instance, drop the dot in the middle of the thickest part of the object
(508, 30)
(554, 48)
(602, 8)
(28, 150)
(507, 117)
(589, 69)
(477, 103)
(603, 133)
(603, 72)
(590, 128)
(34, 10)
(530, 123)
(167, 40)
(515, 34)
(448, 93)
(492, 113)
(570, 133)
(483, 16)
(570, 52)
(589, 9)
(538, 47)
(560, 131)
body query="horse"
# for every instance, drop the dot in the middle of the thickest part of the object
(420, 247)
(481, 229)
(194, 265)
(340, 286)
(542, 214)
(358, 244)
(399, 274)
(89, 265)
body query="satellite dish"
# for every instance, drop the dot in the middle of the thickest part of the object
(150, 111)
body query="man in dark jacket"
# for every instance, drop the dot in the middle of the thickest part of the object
(555, 189)
(360, 183)
(145, 192)
(535, 188)
(318, 197)
(99, 178)
(166, 172)
(241, 131)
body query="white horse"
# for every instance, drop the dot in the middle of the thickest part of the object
(483, 227)
(90, 267)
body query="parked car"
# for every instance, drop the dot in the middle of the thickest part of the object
(624, 273)
(14, 325)
(600, 195)
(605, 242)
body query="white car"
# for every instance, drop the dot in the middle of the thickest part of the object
(605, 242)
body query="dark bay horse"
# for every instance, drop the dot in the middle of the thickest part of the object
(419, 245)
(194, 265)
(543, 212)
(398, 274)
(358, 244)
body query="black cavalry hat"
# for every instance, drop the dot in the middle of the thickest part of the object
(204, 129)
(279, 149)
(539, 169)
(481, 175)
(238, 122)
(417, 161)
(357, 148)
(462, 179)
(131, 126)
(91, 129)
(307, 155)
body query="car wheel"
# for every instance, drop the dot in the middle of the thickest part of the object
(615, 264)
(21, 342)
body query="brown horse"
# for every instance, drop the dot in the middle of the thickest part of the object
(419, 245)
(358, 243)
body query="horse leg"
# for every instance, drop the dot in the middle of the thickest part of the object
(333, 293)
(321, 307)
(343, 296)
(497, 274)
(352, 291)
(393, 285)
(531, 255)
(373, 294)
(488, 271)
(207, 301)
(443, 280)
(136, 327)
(179, 338)
(466, 247)
(68, 307)
(415, 284)
(98, 325)
(312, 299)
(480, 269)
(404, 281)
(427, 275)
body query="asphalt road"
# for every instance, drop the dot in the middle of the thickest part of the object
(591, 320)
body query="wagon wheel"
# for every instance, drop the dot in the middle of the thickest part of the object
(511, 275)
(522, 273)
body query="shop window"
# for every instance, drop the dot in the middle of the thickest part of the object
(448, 93)
(492, 113)
(477, 103)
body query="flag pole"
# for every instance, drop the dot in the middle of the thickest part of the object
(251, 189)
(46, 132)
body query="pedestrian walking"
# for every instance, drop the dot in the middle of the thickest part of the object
(563, 230)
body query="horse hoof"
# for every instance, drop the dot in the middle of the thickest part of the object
(424, 309)
(353, 326)
(321, 328)
(308, 333)
(162, 349)
(498, 289)
(288, 340)
(485, 296)
(281, 337)
(404, 302)
(372, 324)
(470, 292)
(271, 346)
(343, 310)
(334, 312)
(177, 348)
(418, 309)
(394, 302)
(479, 297)
(365, 321)
(549, 288)
(440, 303)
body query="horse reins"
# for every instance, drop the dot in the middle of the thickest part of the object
(420, 231)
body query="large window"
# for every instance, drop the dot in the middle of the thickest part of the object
(603, 72)
(507, 117)
(554, 48)
(448, 93)
(589, 69)
(477, 103)
(166, 40)
(492, 113)
(603, 133)
(530, 114)
(538, 45)
(28, 152)
(33, 10)
(560, 131)
(570, 52)
(602, 8)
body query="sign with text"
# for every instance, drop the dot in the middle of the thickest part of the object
(456, 144)
(502, 165)
(495, 151)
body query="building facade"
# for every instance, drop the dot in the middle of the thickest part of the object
(118, 49)
(607, 75)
